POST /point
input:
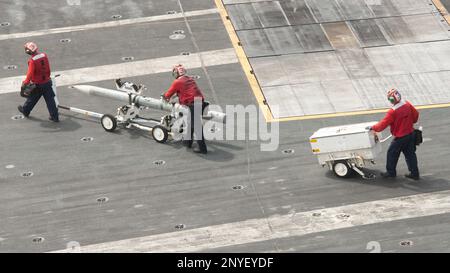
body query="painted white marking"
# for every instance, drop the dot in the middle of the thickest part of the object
(74, 2)
(283, 226)
(108, 24)
(138, 206)
(426, 139)
(10, 166)
(73, 247)
(374, 246)
(129, 69)
(37, 57)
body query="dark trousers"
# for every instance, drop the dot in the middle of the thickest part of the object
(196, 118)
(407, 146)
(45, 90)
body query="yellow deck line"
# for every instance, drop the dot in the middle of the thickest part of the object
(256, 88)
(432, 106)
(355, 113)
(442, 10)
(331, 115)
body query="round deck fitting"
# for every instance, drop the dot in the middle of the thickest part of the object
(343, 216)
(26, 174)
(159, 162)
(17, 117)
(238, 187)
(180, 226)
(406, 243)
(87, 139)
(10, 67)
(102, 200)
(38, 240)
(177, 35)
(288, 151)
(127, 58)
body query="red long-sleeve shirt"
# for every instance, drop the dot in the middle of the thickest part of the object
(38, 69)
(401, 118)
(186, 89)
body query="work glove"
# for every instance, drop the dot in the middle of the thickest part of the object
(26, 89)
(164, 98)
(369, 128)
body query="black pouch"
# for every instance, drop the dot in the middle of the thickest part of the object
(418, 136)
(26, 90)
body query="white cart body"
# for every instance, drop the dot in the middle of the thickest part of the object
(351, 143)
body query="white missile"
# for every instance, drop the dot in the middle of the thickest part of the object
(143, 101)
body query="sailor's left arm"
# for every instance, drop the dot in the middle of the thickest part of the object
(29, 73)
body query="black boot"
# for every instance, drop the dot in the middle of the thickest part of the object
(386, 175)
(53, 119)
(413, 177)
(20, 108)
(199, 151)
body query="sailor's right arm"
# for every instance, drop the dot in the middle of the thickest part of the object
(385, 122)
(172, 90)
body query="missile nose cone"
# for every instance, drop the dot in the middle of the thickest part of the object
(83, 88)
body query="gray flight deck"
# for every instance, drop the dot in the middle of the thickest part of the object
(353, 48)
(310, 57)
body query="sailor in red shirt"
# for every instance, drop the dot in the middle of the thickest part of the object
(39, 74)
(188, 92)
(401, 118)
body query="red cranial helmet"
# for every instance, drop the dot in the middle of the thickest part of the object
(394, 96)
(30, 47)
(178, 71)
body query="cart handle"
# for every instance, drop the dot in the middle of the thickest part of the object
(384, 139)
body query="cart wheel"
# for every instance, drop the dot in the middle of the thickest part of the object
(109, 122)
(160, 134)
(342, 169)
